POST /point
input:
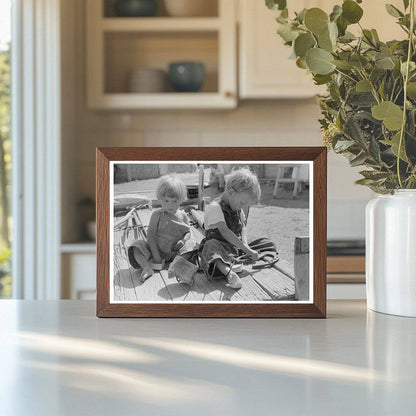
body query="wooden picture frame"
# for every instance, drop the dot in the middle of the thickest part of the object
(315, 304)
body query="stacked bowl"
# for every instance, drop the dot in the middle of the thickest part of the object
(147, 80)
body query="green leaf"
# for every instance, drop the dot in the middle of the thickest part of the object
(393, 11)
(276, 4)
(300, 17)
(343, 65)
(358, 61)
(411, 90)
(385, 63)
(363, 86)
(374, 150)
(303, 43)
(374, 175)
(406, 4)
(324, 42)
(394, 144)
(351, 11)
(301, 63)
(364, 181)
(358, 160)
(375, 35)
(321, 79)
(286, 32)
(333, 32)
(342, 25)
(336, 12)
(316, 20)
(347, 37)
(343, 145)
(390, 113)
(368, 36)
(412, 67)
(319, 61)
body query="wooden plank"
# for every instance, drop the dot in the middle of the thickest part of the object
(180, 291)
(220, 291)
(123, 279)
(153, 289)
(275, 283)
(251, 290)
(212, 290)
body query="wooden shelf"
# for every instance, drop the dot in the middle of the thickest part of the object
(163, 101)
(159, 24)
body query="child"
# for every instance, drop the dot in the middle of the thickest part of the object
(168, 229)
(225, 226)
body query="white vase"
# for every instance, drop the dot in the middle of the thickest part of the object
(391, 253)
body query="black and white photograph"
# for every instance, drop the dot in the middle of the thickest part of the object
(211, 232)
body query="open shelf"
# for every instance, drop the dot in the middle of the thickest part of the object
(127, 51)
(116, 46)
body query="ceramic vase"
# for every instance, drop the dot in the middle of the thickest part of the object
(391, 253)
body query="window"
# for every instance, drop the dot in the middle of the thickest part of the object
(5, 144)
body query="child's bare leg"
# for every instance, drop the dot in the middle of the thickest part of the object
(144, 263)
(233, 280)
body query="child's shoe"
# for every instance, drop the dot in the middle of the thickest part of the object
(234, 281)
(181, 243)
(146, 273)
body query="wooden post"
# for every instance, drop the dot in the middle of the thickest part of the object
(301, 268)
(295, 176)
(276, 185)
(201, 187)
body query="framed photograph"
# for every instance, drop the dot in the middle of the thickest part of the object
(211, 232)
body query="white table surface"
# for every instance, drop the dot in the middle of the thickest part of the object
(57, 358)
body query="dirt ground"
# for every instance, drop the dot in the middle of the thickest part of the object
(280, 219)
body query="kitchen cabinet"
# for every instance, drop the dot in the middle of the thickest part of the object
(265, 70)
(118, 45)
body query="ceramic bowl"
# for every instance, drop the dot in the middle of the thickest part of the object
(186, 76)
(135, 8)
(191, 8)
(147, 80)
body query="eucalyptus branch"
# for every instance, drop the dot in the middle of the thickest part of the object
(406, 79)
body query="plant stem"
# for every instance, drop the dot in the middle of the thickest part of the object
(406, 79)
(345, 75)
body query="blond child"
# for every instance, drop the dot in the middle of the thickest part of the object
(225, 225)
(168, 229)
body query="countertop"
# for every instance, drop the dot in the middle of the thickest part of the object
(57, 358)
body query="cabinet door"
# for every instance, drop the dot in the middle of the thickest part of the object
(265, 68)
